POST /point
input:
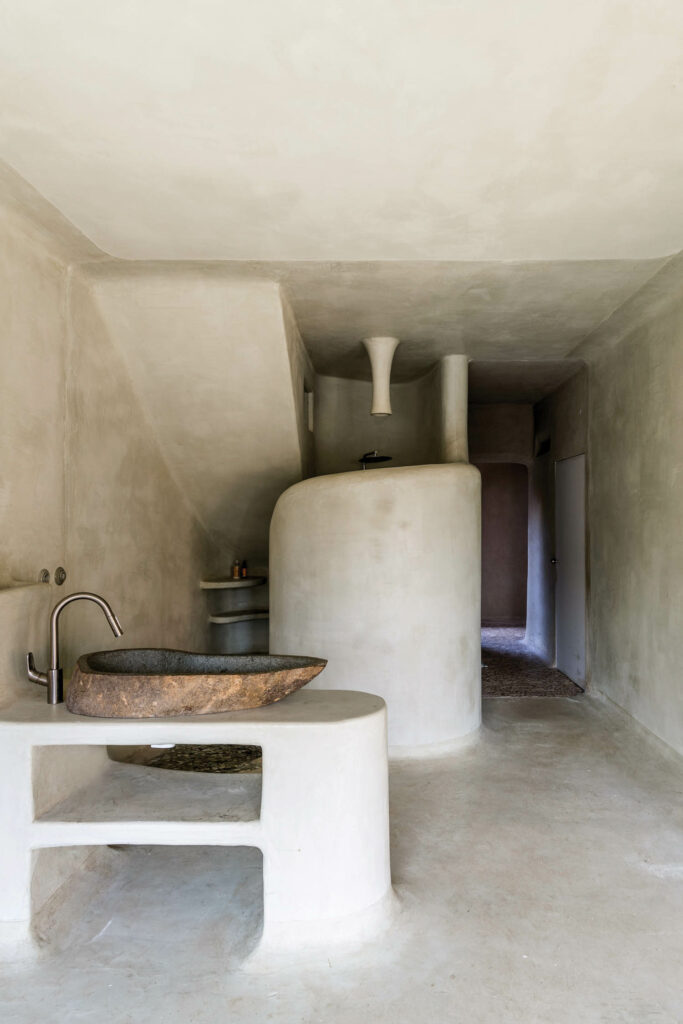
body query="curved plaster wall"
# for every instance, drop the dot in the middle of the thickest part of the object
(380, 573)
(453, 387)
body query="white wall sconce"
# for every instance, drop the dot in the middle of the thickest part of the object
(381, 352)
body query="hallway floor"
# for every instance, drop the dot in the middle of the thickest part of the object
(511, 669)
(539, 880)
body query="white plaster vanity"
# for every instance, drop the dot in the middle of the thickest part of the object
(320, 814)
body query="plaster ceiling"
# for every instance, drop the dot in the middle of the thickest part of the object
(518, 381)
(364, 130)
(496, 311)
(488, 311)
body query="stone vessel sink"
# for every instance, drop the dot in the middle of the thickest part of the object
(158, 683)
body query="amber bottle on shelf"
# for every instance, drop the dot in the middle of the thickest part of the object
(236, 569)
(243, 569)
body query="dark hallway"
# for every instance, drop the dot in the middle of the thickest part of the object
(511, 669)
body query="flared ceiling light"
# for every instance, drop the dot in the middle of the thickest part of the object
(381, 352)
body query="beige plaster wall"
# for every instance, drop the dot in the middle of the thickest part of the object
(84, 484)
(32, 408)
(131, 534)
(345, 430)
(565, 415)
(32, 360)
(635, 503)
(562, 418)
(540, 610)
(209, 359)
(303, 380)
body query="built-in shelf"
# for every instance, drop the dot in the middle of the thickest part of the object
(152, 805)
(232, 584)
(240, 616)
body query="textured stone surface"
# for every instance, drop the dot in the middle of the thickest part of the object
(156, 683)
(209, 758)
(510, 668)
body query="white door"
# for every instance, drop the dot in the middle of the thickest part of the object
(570, 566)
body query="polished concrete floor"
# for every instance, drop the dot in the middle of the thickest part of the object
(539, 878)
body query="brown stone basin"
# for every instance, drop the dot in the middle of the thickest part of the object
(157, 683)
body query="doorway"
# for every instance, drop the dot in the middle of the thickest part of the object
(525, 419)
(570, 567)
(511, 667)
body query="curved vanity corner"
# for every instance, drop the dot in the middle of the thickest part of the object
(380, 573)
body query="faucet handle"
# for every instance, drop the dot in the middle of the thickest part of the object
(33, 674)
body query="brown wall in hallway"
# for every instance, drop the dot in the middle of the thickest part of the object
(501, 432)
(504, 499)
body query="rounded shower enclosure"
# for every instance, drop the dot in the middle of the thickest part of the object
(380, 573)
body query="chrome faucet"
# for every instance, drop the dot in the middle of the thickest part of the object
(53, 678)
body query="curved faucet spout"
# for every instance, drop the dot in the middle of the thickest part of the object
(54, 620)
(53, 678)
